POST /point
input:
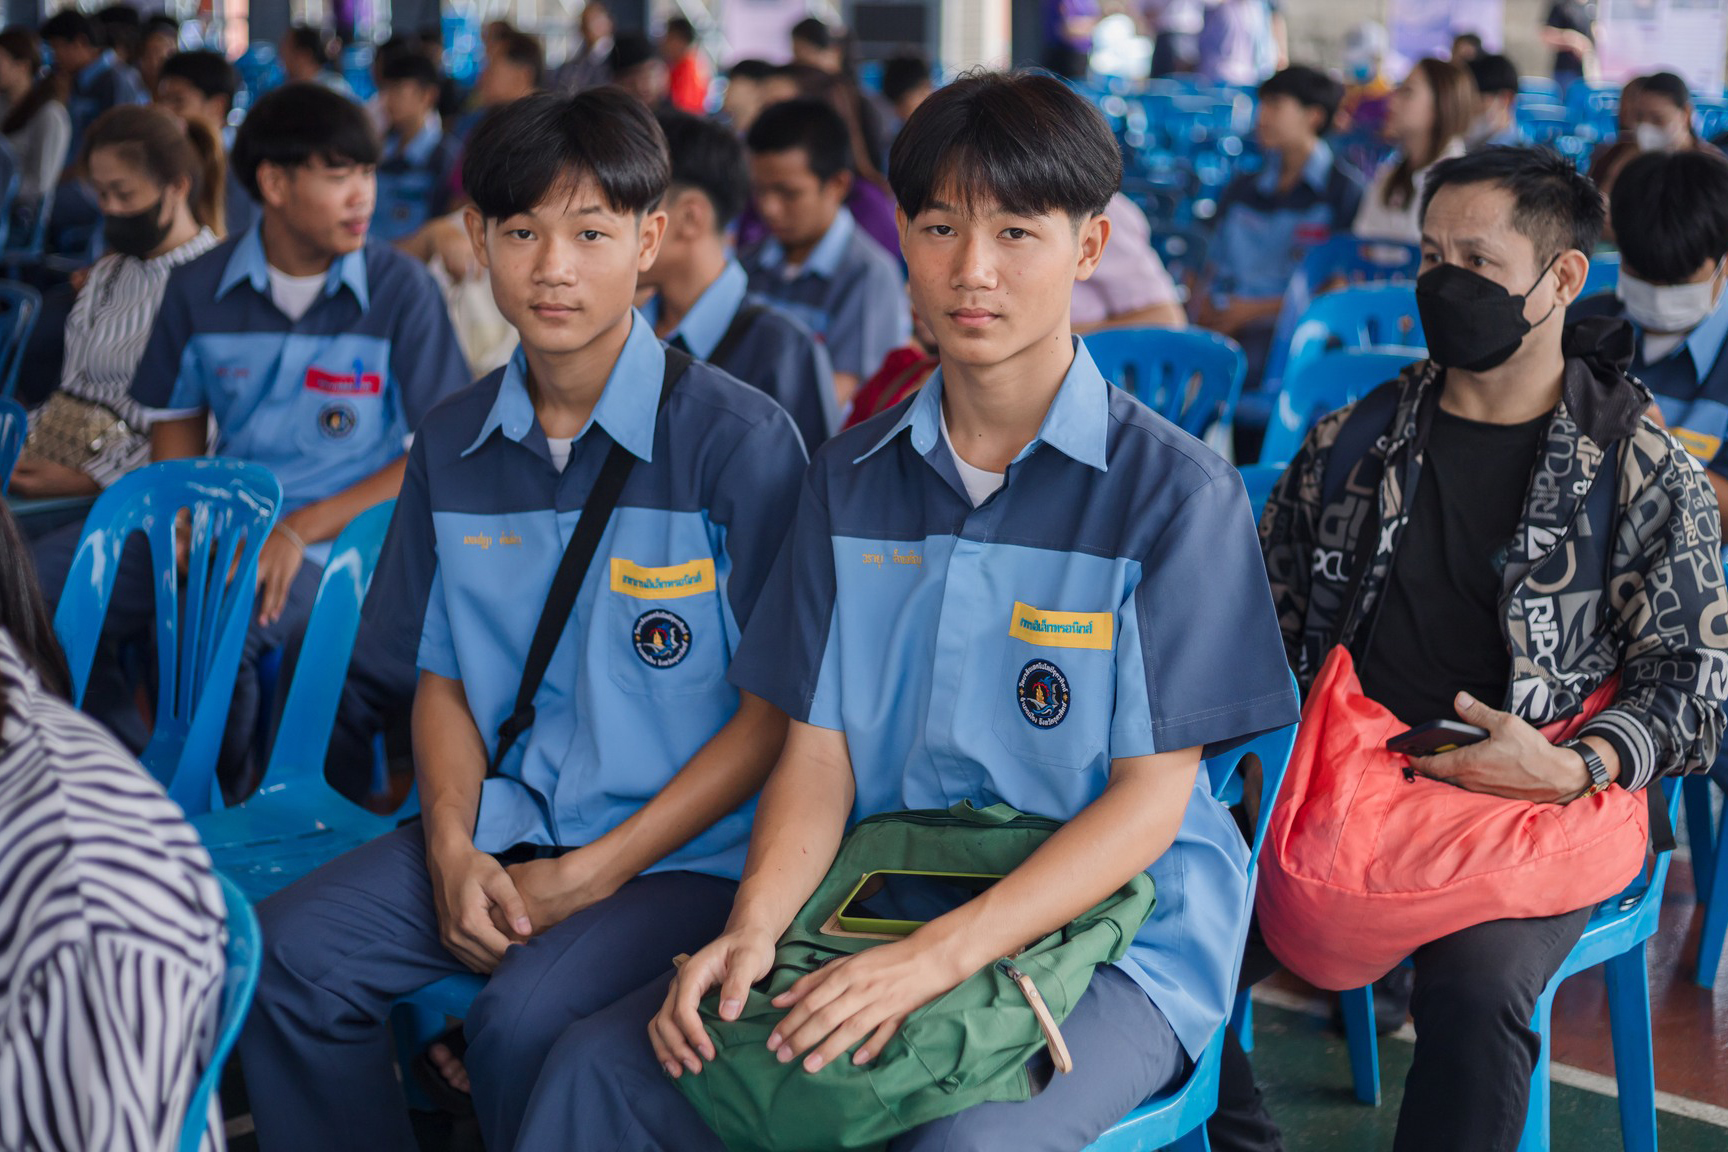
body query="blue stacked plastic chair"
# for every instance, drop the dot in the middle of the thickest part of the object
(1360, 317)
(1177, 1119)
(1709, 846)
(1190, 377)
(1543, 123)
(245, 955)
(1604, 274)
(1615, 938)
(1325, 384)
(20, 304)
(295, 821)
(1183, 252)
(1543, 86)
(14, 423)
(232, 507)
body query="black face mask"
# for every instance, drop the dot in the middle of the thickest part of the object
(136, 233)
(1471, 322)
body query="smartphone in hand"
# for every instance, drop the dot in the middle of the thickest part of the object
(1435, 737)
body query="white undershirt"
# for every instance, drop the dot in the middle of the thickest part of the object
(294, 295)
(560, 447)
(980, 485)
(1660, 347)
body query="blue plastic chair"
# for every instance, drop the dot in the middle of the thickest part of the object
(1360, 317)
(1183, 252)
(1604, 274)
(1259, 479)
(1177, 1119)
(1351, 259)
(1615, 938)
(19, 306)
(1190, 377)
(295, 821)
(245, 953)
(199, 631)
(1539, 86)
(1326, 383)
(14, 423)
(1710, 875)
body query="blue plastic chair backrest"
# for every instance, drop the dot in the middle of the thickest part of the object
(1272, 750)
(10, 171)
(232, 506)
(14, 423)
(1359, 261)
(1258, 479)
(1539, 85)
(1323, 384)
(20, 304)
(1182, 250)
(1360, 317)
(1190, 377)
(1542, 113)
(308, 715)
(245, 954)
(1604, 274)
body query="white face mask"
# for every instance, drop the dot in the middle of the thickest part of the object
(1667, 308)
(1653, 138)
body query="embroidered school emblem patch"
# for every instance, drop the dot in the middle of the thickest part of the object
(661, 638)
(1043, 693)
(336, 420)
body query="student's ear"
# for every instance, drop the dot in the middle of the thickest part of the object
(653, 231)
(476, 225)
(840, 184)
(273, 184)
(1570, 272)
(902, 224)
(1094, 236)
(690, 217)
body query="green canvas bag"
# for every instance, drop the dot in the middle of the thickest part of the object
(964, 1048)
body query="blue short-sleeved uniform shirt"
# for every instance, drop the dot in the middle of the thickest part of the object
(1262, 235)
(1109, 600)
(413, 181)
(324, 401)
(100, 85)
(849, 292)
(777, 354)
(637, 684)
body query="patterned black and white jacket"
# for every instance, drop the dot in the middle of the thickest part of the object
(1642, 594)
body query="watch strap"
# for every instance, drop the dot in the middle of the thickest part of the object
(1594, 764)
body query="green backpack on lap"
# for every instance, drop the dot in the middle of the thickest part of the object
(964, 1048)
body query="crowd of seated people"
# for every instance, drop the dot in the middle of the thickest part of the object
(803, 319)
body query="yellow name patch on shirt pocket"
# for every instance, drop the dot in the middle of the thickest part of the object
(690, 579)
(1702, 447)
(1062, 629)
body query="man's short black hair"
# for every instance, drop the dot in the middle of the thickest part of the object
(209, 72)
(1670, 214)
(311, 41)
(630, 50)
(546, 145)
(1554, 204)
(706, 156)
(809, 126)
(1468, 38)
(1310, 88)
(1494, 74)
(1024, 142)
(813, 32)
(681, 27)
(296, 124)
(1668, 86)
(411, 67)
(72, 26)
(523, 50)
(751, 69)
(903, 74)
(161, 24)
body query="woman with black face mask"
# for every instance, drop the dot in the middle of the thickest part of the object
(159, 185)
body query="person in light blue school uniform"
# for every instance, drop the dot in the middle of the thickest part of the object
(612, 833)
(415, 175)
(817, 263)
(702, 300)
(1020, 587)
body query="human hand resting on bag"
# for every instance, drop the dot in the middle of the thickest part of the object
(739, 958)
(1516, 761)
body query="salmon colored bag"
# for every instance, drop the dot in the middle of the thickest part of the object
(1363, 867)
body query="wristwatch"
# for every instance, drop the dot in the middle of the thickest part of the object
(1593, 763)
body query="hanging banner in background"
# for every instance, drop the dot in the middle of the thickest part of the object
(760, 29)
(1421, 28)
(1637, 37)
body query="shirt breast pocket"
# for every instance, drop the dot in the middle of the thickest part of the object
(666, 632)
(339, 408)
(1053, 693)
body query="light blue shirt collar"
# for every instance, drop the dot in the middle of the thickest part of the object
(248, 264)
(705, 325)
(1076, 425)
(88, 74)
(628, 405)
(1705, 341)
(825, 258)
(1314, 173)
(419, 149)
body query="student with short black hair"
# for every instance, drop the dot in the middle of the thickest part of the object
(1658, 111)
(745, 94)
(200, 87)
(306, 59)
(610, 834)
(515, 68)
(1496, 123)
(702, 300)
(817, 262)
(906, 84)
(419, 162)
(98, 79)
(1025, 502)
(160, 39)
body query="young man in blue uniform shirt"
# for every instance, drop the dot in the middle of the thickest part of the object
(414, 177)
(614, 831)
(201, 86)
(702, 299)
(1020, 586)
(817, 262)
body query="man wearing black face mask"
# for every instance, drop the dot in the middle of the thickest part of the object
(1495, 535)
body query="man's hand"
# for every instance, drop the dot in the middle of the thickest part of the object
(1516, 761)
(555, 890)
(735, 961)
(35, 477)
(278, 563)
(868, 994)
(466, 885)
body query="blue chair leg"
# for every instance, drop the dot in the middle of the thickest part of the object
(1194, 1140)
(1242, 1020)
(1537, 1115)
(1364, 1044)
(1715, 929)
(1634, 1058)
(1700, 833)
(413, 1028)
